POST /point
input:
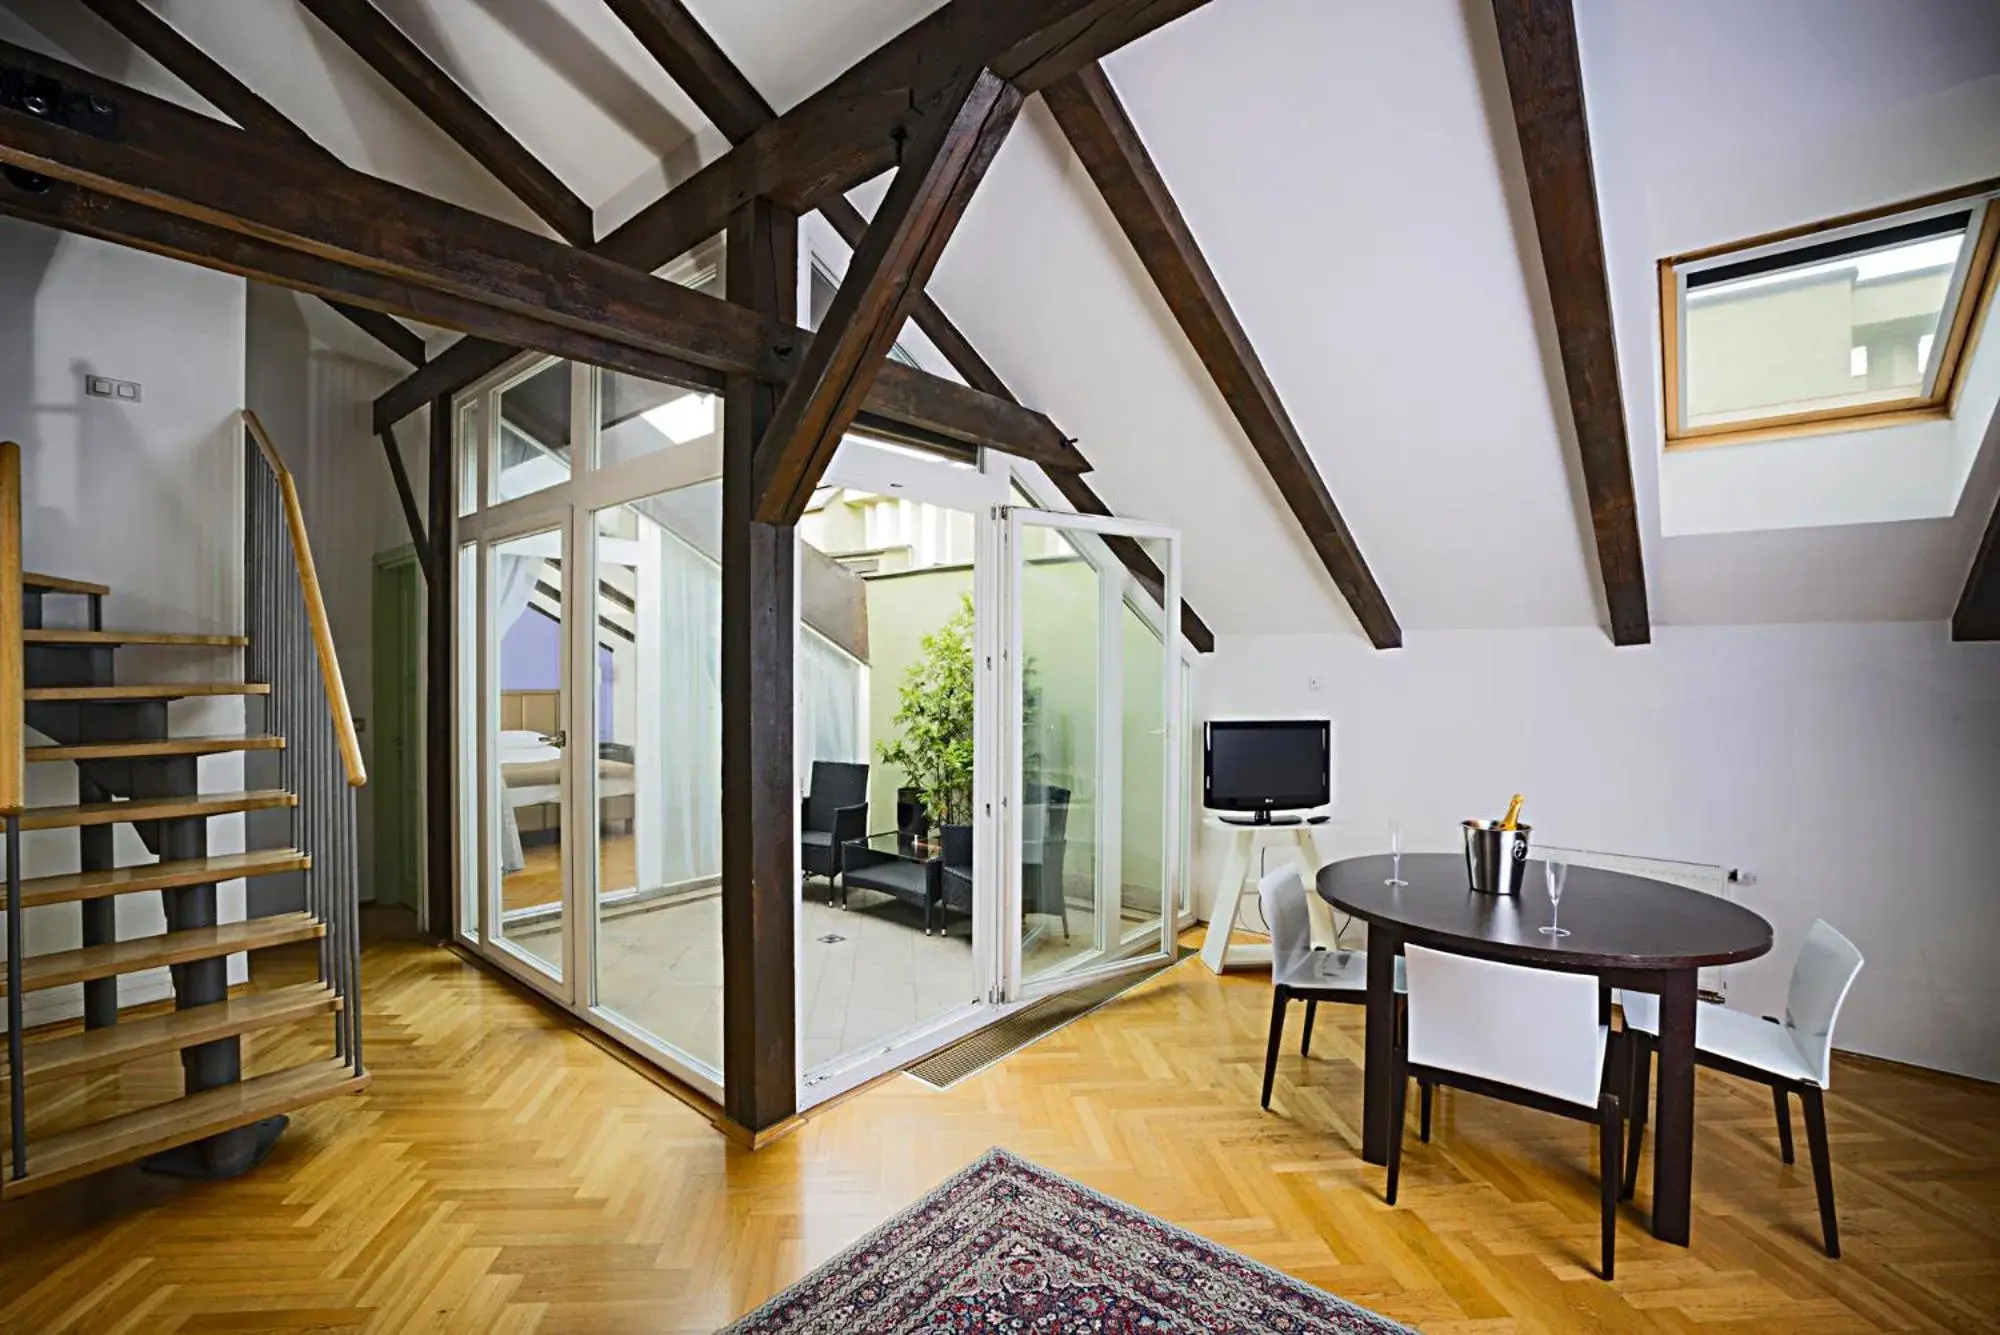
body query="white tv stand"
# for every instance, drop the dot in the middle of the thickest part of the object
(1297, 839)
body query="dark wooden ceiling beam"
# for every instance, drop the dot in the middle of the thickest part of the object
(385, 329)
(229, 95)
(1977, 616)
(1097, 127)
(703, 71)
(187, 62)
(1545, 85)
(395, 249)
(412, 515)
(885, 277)
(109, 218)
(733, 104)
(964, 358)
(853, 128)
(404, 66)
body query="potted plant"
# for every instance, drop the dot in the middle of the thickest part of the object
(934, 718)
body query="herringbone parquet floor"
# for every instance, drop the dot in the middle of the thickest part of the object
(505, 1174)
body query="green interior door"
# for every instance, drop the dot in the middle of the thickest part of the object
(393, 772)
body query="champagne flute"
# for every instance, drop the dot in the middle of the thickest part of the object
(1395, 854)
(1556, 868)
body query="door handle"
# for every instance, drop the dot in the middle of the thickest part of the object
(558, 739)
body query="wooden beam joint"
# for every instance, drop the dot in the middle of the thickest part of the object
(885, 277)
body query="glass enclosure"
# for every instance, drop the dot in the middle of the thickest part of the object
(983, 695)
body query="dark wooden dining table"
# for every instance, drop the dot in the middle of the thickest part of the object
(1629, 931)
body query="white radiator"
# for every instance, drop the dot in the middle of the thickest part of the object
(1706, 877)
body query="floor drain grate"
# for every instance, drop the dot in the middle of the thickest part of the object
(1004, 1037)
(831, 939)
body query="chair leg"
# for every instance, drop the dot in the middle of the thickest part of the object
(1424, 1111)
(1636, 1098)
(1782, 1102)
(1398, 1103)
(1608, 1119)
(1312, 1013)
(1278, 1000)
(1822, 1163)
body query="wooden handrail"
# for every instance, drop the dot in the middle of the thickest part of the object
(322, 629)
(13, 682)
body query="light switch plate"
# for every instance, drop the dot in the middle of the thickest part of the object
(104, 387)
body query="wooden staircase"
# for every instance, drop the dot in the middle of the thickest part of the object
(132, 771)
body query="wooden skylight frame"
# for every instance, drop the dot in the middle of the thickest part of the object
(1967, 305)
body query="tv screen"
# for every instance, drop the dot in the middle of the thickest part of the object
(1267, 764)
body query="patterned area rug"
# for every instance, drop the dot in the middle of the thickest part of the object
(1006, 1246)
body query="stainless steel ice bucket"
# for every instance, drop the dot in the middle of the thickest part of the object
(1495, 858)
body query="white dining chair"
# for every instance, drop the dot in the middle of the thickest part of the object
(1505, 1031)
(1301, 973)
(1792, 1056)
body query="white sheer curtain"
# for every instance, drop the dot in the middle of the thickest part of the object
(514, 584)
(828, 688)
(680, 715)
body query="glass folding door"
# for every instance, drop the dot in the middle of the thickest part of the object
(1090, 826)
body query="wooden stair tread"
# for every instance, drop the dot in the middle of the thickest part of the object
(68, 887)
(91, 637)
(205, 745)
(130, 1040)
(154, 808)
(120, 1140)
(61, 584)
(166, 690)
(62, 967)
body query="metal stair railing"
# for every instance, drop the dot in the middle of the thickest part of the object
(291, 647)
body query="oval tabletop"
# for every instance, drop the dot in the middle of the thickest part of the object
(1616, 920)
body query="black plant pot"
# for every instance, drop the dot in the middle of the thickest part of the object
(911, 818)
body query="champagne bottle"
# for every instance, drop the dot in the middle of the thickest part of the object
(1512, 819)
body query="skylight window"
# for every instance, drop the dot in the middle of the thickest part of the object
(1858, 322)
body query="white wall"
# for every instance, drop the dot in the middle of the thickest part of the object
(317, 404)
(1712, 121)
(146, 497)
(1854, 769)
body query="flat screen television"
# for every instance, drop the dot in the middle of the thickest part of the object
(1266, 765)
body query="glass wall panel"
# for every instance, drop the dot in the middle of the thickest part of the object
(470, 438)
(884, 687)
(1142, 812)
(531, 452)
(658, 787)
(638, 417)
(524, 608)
(1060, 592)
(468, 741)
